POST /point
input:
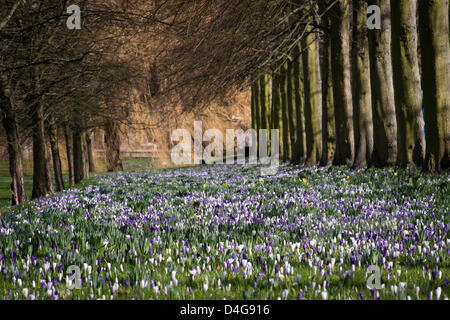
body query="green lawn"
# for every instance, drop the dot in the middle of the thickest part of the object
(129, 164)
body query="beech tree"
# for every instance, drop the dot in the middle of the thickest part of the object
(362, 101)
(313, 100)
(328, 115)
(342, 91)
(434, 30)
(383, 102)
(410, 123)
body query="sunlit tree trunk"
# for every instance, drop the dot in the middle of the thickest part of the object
(292, 108)
(253, 105)
(299, 91)
(285, 113)
(362, 100)
(328, 118)
(258, 108)
(434, 31)
(79, 156)
(383, 102)
(112, 144)
(410, 123)
(342, 91)
(313, 100)
(90, 152)
(277, 120)
(265, 98)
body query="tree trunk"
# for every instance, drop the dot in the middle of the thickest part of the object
(434, 30)
(292, 108)
(328, 118)
(265, 98)
(258, 110)
(69, 155)
(313, 101)
(42, 185)
(383, 102)
(362, 100)
(342, 91)
(85, 155)
(112, 144)
(54, 145)
(299, 91)
(48, 161)
(285, 113)
(277, 122)
(90, 151)
(253, 105)
(14, 149)
(410, 124)
(79, 156)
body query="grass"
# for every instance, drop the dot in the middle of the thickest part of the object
(129, 164)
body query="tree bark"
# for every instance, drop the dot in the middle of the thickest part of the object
(342, 91)
(69, 155)
(42, 185)
(313, 101)
(253, 105)
(434, 30)
(265, 98)
(410, 123)
(285, 113)
(299, 91)
(54, 145)
(277, 122)
(112, 144)
(328, 117)
(292, 109)
(383, 102)
(48, 162)
(85, 155)
(79, 156)
(362, 100)
(8, 116)
(90, 151)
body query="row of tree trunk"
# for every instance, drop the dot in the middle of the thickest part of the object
(353, 95)
(79, 151)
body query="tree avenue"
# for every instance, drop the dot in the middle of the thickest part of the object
(346, 82)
